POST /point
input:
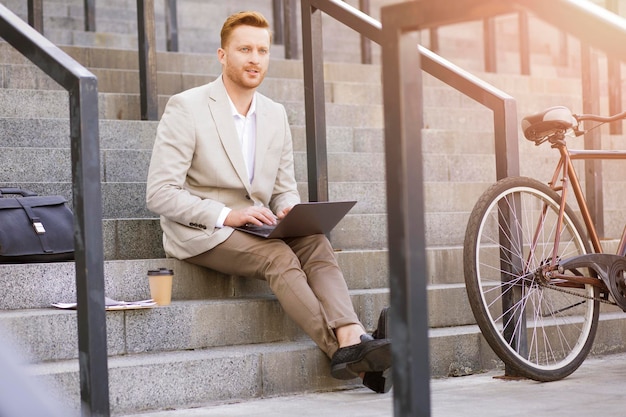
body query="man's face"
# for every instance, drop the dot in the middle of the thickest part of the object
(246, 57)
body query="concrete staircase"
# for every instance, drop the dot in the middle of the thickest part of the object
(226, 338)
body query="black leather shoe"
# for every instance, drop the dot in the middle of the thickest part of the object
(382, 330)
(380, 382)
(371, 355)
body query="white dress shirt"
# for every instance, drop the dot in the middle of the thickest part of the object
(246, 132)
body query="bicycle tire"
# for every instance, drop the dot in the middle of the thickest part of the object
(559, 326)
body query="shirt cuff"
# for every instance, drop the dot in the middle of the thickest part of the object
(222, 217)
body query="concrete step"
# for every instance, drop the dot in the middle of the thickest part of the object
(18, 132)
(447, 208)
(141, 238)
(18, 103)
(261, 370)
(48, 334)
(119, 68)
(189, 64)
(457, 351)
(126, 200)
(31, 286)
(285, 89)
(125, 215)
(170, 379)
(168, 83)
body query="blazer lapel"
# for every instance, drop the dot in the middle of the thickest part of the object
(223, 118)
(263, 135)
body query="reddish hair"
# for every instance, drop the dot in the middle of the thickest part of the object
(255, 19)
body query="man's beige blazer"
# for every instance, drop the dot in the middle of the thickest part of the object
(197, 167)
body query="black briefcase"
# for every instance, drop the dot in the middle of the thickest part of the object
(35, 228)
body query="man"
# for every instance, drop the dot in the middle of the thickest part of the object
(222, 158)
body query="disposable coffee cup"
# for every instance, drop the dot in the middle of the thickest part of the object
(160, 281)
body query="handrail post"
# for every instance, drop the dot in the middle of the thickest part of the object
(314, 102)
(593, 167)
(147, 60)
(87, 204)
(291, 29)
(433, 36)
(506, 139)
(489, 42)
(615, 80)
(507, 165)
(171, 25)
(524, 43)
(277, 15)
(90, 15)
(615, 93)
(366, 44)
(402, 97)
(35, 14)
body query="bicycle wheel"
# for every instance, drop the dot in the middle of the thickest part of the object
(542, 329)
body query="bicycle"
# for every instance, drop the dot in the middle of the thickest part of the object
(535, 276)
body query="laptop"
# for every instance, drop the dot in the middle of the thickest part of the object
(304, 219)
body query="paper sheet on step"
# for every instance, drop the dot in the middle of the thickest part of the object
(111, 304)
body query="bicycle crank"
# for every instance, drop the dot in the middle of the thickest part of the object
(611, 269)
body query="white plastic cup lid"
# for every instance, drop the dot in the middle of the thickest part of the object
(161, 271)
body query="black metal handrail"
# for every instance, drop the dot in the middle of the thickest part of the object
(403, 122)
(82, 86)
(503, 105)
(146, 37)
(402, 59)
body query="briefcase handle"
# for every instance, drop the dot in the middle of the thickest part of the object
(20, 191)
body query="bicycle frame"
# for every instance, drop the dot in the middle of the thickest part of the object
(566, 174)
(569, 174)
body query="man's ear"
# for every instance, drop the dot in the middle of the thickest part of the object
(220, 55)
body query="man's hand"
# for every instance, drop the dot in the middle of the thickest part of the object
(284, 212)
(254, 215)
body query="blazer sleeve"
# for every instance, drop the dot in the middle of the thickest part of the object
(172, 155)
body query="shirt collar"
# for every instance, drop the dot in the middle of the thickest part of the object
(251, 110)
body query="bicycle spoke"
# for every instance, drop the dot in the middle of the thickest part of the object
(540, 329)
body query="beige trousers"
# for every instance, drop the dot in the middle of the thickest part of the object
(303, 274)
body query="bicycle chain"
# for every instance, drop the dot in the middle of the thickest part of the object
(602, 300)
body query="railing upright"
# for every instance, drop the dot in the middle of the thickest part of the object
(615, 80)
(489, 45)
(366, 43)
(35, 14)
(314, 101)
(82, 86)
(147, 60)
(171, 25)
(402, 60)
(90, 15)
(524, 43)
(290, 28)
(591, 105)
(402, 99)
